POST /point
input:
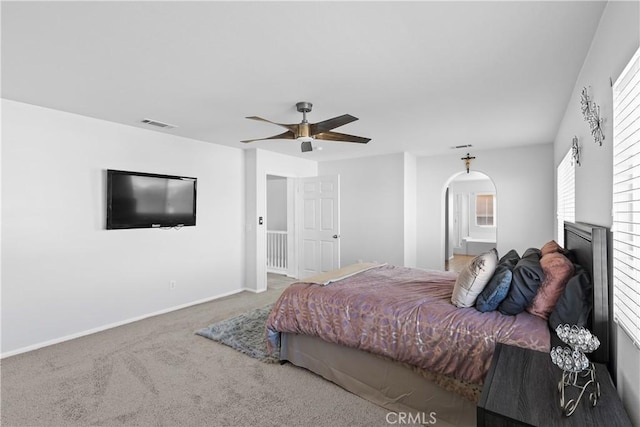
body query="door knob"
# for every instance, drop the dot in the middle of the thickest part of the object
(335, 236)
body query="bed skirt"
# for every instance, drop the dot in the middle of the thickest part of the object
(388, 384)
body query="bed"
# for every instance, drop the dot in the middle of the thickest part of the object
(441, 370)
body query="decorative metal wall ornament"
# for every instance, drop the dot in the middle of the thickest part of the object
(591, 114)
(467, 161)
(575, 151)
(577, 370)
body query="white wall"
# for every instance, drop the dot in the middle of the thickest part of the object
(63, 273)
(524, 180)
(381, 222)
(276, 203)
(410, 214)
(617, 38)
(372, 207)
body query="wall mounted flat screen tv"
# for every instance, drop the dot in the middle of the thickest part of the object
(146, 200)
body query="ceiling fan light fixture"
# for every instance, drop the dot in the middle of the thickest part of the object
(305, 138)
(306, 146)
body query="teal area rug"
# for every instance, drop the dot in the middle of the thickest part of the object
(245, 333)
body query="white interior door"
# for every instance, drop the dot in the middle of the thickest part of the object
(319, 225)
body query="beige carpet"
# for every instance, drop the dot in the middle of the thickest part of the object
(157, 372)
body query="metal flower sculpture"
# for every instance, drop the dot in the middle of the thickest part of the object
(591, 115)
(577, 371)
(575, 150)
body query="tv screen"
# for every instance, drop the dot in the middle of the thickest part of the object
(146, 200)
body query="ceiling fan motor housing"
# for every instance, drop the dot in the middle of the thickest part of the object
(303, 133)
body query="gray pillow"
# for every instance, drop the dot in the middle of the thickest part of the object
(574, 305)
(527, 278)
(510, 259)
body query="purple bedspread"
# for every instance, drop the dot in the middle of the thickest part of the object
(405, 314)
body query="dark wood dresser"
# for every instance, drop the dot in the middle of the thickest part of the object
(521, 389)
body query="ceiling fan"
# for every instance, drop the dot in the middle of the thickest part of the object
(306, 132)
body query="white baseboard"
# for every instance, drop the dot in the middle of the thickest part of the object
(255, 291)
(116, 324)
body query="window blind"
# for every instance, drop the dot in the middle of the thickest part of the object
(626, 200)
(566, 194)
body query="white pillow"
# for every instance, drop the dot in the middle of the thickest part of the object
(473, 278)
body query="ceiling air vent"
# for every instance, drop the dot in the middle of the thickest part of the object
(158, 124)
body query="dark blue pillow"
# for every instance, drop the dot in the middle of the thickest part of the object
(495, 291)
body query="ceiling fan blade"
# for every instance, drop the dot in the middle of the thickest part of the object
(293, 127)
(335, 136)
(287, 135)
(327, 125)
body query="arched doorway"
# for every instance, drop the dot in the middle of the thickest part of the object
(470, 218)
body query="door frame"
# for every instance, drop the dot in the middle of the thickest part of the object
(448, 196)
(292, 261)
(300, 235)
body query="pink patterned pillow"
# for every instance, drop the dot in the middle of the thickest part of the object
(558, 269)
(550, 247)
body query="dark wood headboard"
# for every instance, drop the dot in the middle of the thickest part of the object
(588, 243)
